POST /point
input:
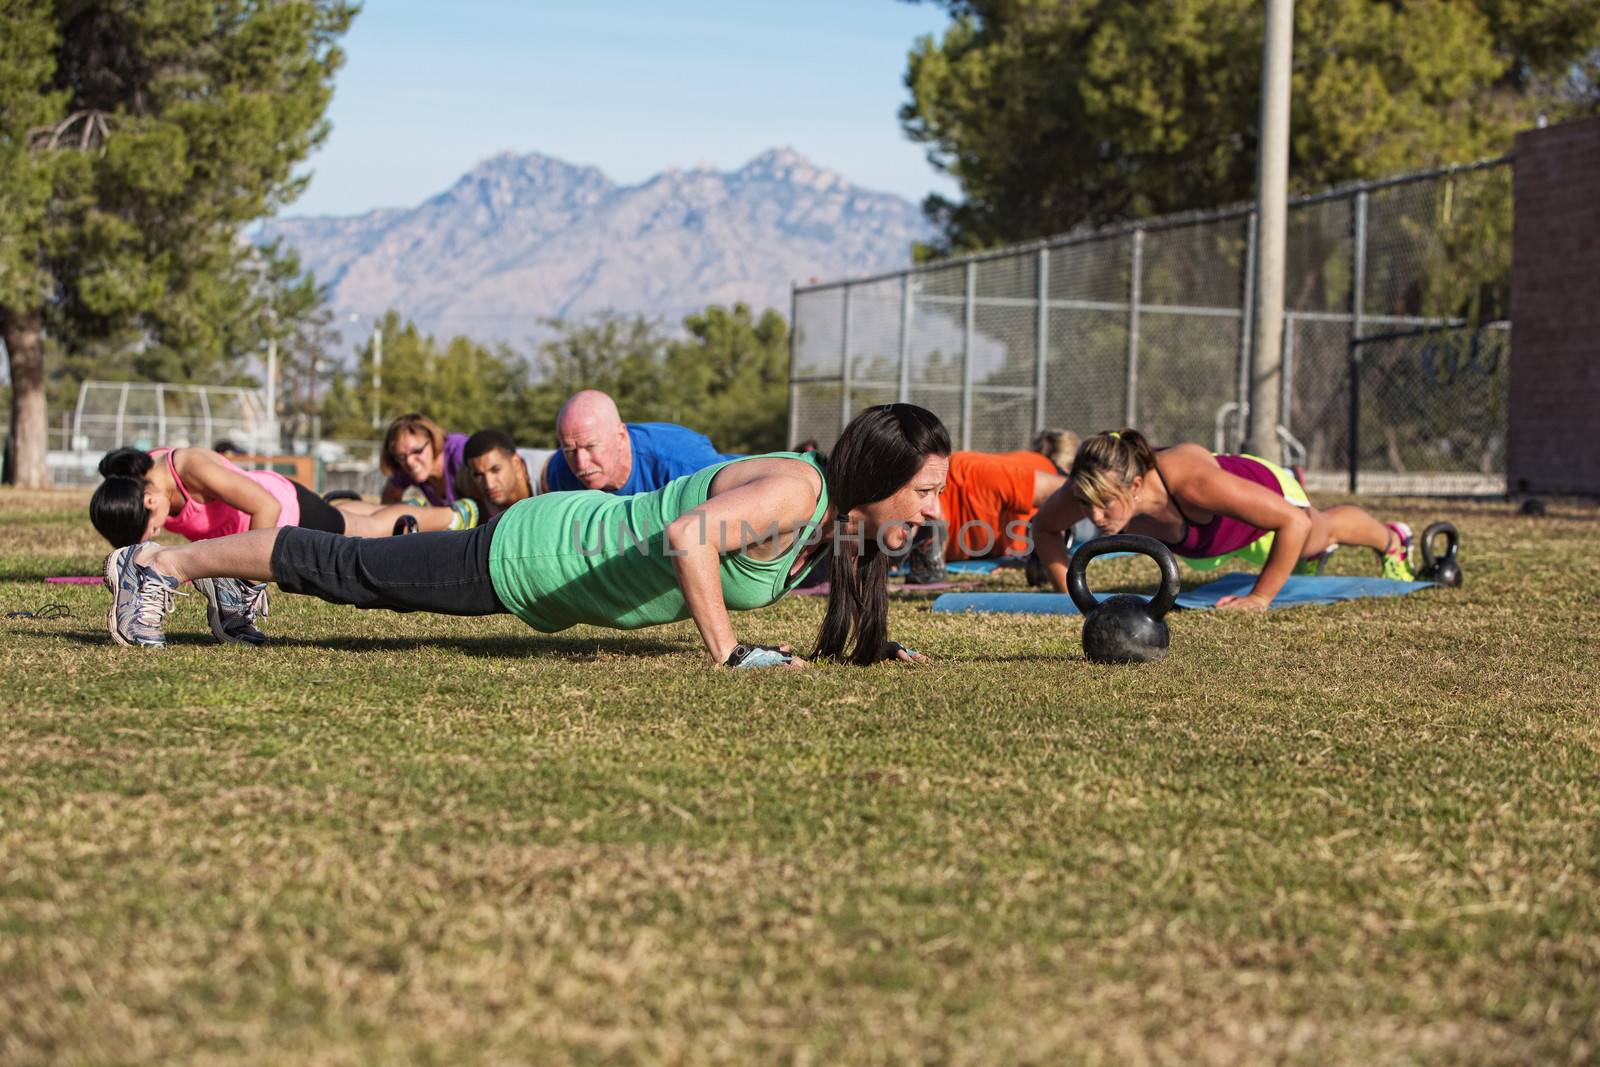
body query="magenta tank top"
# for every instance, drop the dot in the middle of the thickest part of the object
(1224, 533)
(217, 518)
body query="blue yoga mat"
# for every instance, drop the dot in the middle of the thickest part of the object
(989, 566)
(981, 566)
(1298, 590)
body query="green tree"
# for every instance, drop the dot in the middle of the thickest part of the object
(298, 319)
(1054, 114)
(729, 378)
(462, 385)
(135, 141)
(622, 355)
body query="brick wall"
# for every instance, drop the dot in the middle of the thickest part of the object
(1553, 445)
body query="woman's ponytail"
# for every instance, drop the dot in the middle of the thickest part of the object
(126, 462)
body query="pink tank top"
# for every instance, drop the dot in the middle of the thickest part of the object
(198, 522)
(1224, 533)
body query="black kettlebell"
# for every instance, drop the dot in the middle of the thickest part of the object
(1442, 569)
(1124, 629)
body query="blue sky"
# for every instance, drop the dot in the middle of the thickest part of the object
(431, 88)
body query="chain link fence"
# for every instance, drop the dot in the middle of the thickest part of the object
(1394, 361)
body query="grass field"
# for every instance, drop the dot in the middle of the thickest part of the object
(1367, 833)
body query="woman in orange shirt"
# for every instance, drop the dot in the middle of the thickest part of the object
(988, 501)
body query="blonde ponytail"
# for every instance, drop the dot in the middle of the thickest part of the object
(1107, 463)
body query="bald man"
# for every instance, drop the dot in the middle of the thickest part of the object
(600, 451)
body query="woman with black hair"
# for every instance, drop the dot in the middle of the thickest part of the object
(732, 537)
(202, 494)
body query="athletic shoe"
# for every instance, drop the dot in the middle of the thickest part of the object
(140, 599)
(232, 607)
(466, 514)
(1397, 560)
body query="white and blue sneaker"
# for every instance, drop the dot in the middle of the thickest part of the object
(140, 599)
(232, 608)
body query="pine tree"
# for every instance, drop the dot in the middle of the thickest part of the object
(135, 142)
(1054, 114)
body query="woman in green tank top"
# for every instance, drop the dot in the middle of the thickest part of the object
(735, 536)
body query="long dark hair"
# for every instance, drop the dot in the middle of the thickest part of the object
(879, 452)
(117, 507)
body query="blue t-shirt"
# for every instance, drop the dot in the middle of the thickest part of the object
(662, 451)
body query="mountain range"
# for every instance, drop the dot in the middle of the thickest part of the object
(521, 238)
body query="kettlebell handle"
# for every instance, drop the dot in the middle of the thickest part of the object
(1078, 587)
(1452, 543)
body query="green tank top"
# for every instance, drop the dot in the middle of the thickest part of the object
(561, 559)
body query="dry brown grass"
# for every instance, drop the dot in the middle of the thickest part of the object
(1361, 834)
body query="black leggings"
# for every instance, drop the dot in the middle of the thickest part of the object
(446, 573)
(315, 512)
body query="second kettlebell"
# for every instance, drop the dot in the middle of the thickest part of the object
(1445, 569)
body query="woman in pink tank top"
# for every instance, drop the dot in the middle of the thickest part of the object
(201, 494)
(1206, 507)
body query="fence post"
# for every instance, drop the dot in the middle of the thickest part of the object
(794, 343)
(1042, 342)
(161, 417)
(205, 412)
(967, 346)
(1131, 412)
(844, 365)
(1358, 293)
(1286, 385)
(907, 318)
(1247, 313)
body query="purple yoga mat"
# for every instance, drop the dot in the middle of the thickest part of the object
(75, 579)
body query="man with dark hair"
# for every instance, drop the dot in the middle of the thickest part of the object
(502, 473)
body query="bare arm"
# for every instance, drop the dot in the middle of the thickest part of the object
(1045, 485)
(391, 493)
(204, 470)
(729, 521)
(1218, 491)
(1050, 525)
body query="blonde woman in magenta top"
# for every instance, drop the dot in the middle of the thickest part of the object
(1207, 508)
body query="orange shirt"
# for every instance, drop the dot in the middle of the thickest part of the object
(986, 492)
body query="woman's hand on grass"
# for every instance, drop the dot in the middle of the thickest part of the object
(899, 653)
(762, 656)
(1243, 603)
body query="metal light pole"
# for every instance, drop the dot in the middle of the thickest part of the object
(1272, 185)
(273, 435)
(377, 372)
